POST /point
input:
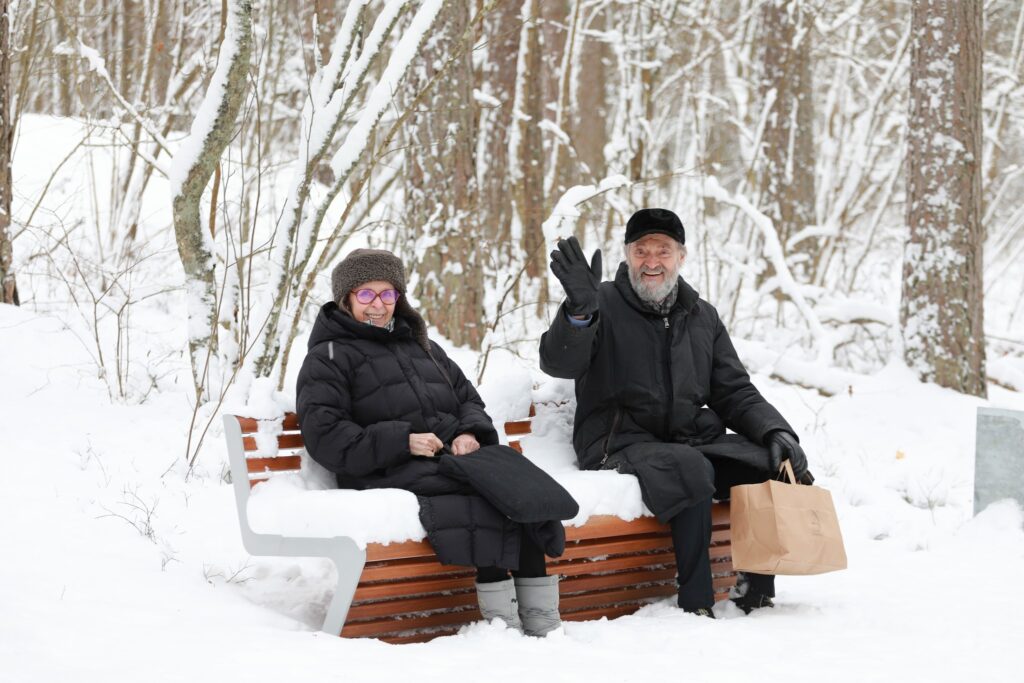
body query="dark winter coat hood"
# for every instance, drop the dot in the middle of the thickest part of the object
(334, 322)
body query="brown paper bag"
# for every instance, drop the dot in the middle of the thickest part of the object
(788, 529)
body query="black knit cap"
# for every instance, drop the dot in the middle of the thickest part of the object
(366, 265)
(649, 221)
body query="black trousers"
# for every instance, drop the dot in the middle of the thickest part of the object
(691, 535)
(532, 564)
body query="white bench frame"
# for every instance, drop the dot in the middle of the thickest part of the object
(347, 556)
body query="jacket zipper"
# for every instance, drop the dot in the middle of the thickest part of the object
(608, 439)
(668, 378)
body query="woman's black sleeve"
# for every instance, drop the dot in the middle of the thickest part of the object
(324, 405)
(473, 417)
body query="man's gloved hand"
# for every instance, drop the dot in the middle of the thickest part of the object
(579, 280)
(783, 446)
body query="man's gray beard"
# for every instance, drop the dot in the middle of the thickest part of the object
(655, 295)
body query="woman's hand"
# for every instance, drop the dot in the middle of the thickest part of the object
(424, 444)
(464, 444)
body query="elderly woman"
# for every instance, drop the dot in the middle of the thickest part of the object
(382, 406)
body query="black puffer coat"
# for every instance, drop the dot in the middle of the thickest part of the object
(642, 381)
(362, 390)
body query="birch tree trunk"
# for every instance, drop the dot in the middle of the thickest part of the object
(442, 195)
(8, 285)
(787, 170)
(192, 167)
(942, 312)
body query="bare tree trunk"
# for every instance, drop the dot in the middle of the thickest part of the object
(526, 153)
(8, 285)
(787, 171)
(589, 127)
(942, 312)
(192, 168)
(442, 197)
(326, 14)
(498, 83)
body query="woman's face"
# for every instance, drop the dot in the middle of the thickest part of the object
(376, 312)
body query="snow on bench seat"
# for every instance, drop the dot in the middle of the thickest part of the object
(617, 556)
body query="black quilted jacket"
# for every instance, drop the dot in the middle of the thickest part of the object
(643, 377)
(362, 390)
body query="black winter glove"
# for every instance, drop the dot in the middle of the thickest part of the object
(783, 446)
(579, 280)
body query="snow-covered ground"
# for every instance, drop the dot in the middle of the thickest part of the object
(117, 564)
(118, 568)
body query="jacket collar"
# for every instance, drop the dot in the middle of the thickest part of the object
(686, 299)
(334, 324)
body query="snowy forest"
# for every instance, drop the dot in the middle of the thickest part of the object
(179, 177)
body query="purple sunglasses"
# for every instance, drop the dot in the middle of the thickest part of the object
(388, 297)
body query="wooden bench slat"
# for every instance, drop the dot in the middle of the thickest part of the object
(394, 551)
(600, 599)
(518, 427)
(283, 441)
(597, 598)
(624, 545)
(421, 636)
(516, 446)
(615, 611)
(410, 568)
(402, 627)
(584, 584)
(281, 464)
(602, 526)
(584, 566)
(616, 546)
(722, 584)
(599, 526)
(611, 612)
(251, 425)
(387, 608)
(393, 589)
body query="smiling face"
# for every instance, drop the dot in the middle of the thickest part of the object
(654, 262)
(377, 313)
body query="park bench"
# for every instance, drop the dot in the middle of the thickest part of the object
(400, 593)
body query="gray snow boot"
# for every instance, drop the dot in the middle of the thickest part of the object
(498, 601)
(538, 604)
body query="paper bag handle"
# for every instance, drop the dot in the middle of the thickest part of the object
(787, 469)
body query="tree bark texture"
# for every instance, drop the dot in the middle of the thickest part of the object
(942, 312)
(528, 176)
(787, 168)
(442, 195)
(8, 284)
(499, 82)
(193, 245)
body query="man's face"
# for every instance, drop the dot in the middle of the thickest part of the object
(654, 262)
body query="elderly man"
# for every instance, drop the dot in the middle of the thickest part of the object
(657, 383)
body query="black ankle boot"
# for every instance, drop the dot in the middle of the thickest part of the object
(701, 612)
(752, 601)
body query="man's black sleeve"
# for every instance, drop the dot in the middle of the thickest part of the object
(734, 398)
(565, 349)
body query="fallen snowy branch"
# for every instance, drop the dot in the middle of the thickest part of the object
(566, 210)
(783, 276)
